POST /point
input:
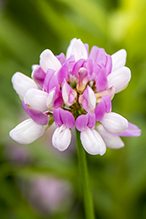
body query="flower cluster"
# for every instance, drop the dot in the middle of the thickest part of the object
(74, 90)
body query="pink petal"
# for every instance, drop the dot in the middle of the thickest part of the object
(100, 111)
(91, 120)
(77, 66)
(88, 64)
(58, 101)
(36, 115)
(108, 64)
(83, 121)
(61, 58)
(39, 75)
(132, 130)
(54, 99)
(63, 117)
(67, 118)
(50, 81)
(57, 117)
(103, 107)
(94, 53)
(101, 79)
(62, 73)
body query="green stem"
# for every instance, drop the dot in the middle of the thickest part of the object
(84, 178)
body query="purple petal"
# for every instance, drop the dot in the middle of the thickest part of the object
(54, 99)
(57, 117)
(132, 130)
(67, 118)
(61, 58)
(94, 53)
(70, 61)
(50, 81)
(62, 73)
(63, 117)
(100, 111)
(58, 100)
(107, 103)
(39, 75)
(81, 122)
(108, 64)
(77, 66)
(91, 120)
(88, 64)
(103, 107)
(101, 79)
(36, 115)
(101, 57)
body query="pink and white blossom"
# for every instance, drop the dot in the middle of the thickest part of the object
(75, 89)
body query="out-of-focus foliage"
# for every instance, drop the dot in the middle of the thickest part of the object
(118, 179)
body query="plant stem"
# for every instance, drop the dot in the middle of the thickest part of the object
(84, 178)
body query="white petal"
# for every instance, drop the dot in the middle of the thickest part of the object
(77, 49)
(37, 99)
(114, 123)
(118, 59)
(50, 99)
(48, 60)
(61, 138)
(92, 142)
(119, 78)
(91, 99)
(22, 83)
(65, 94)
(27, 132)
(111, 141)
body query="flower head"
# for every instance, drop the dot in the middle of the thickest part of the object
(75, 90)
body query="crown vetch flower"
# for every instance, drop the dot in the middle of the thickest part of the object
(75, 90)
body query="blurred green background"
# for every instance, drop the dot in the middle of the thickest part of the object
(36, 181)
